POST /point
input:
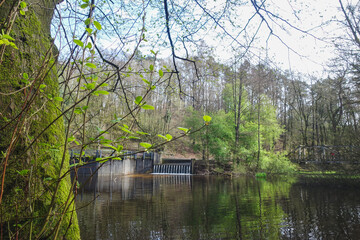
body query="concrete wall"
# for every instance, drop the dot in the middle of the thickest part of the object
(118, 167)
(141, 163)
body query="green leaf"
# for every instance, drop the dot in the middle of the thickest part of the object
(104, 140)
(73, 165)
(85, 5)
(152, 52)
(78, 42)
(119, 148)
(78, 110)
(132, 137)
(13, 45)
(116, 120)
(23, 172)
(147, 107)
(146, 81)
(142, 133)
(6, 119)
(101, 160)
(103, 92)
(126, 126)
(90, 65)
(97, 25)
(22, 12)
(25, 78)
(42, 86)
(25, 81)
(162, 136)
(151, 67)
(22, 5)
(7, 37)
(110, 146)
(101, 132)
(169, 137)
(95, 77)
(70, 139)
(138, 100)
(125, 130)
(207, 118)
(90, 86)
(17, 190)
(89, 30)
(161, 73)
(145, 145)
(87, 22)
(59, 99)
(88, 45)
(186, 130)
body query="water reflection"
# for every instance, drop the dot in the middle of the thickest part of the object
(199, 207)
(323, 211)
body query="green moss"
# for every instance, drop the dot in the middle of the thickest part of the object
(43, 159)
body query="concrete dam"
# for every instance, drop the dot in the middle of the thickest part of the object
(131, 163)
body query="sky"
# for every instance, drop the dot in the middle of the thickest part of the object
(305, 53)
(316, 50)
(291, 48)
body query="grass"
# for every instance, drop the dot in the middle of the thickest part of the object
(260, 175)
(329, 174)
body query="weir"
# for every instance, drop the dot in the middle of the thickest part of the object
(174, 166)
(172, 169)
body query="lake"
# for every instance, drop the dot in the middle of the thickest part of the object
(211, 207)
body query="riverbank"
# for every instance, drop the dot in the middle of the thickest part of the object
(346, 172)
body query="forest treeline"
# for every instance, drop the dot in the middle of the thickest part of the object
(259, 113)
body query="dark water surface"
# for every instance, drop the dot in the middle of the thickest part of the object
(200, 207)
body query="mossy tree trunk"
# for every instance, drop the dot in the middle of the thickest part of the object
(35, 202)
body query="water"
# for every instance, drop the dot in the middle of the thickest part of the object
(200, 207)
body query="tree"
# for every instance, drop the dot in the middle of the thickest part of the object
(217, 139)
(36, 199)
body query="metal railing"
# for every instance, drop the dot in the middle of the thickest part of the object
(325, 154)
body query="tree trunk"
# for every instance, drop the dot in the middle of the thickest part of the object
(258, 133)
(36, 200)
